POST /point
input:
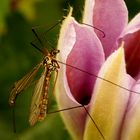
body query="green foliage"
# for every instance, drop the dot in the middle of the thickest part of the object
(4, 9)
(17, 57)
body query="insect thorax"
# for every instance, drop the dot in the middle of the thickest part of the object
(50, 62)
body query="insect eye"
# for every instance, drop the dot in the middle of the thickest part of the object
(54, 52)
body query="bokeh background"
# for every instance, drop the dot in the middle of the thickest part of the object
(17, 57)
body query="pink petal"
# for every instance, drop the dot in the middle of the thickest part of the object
(133, 26)
(79, 47)
(110, 16)
(132, 53)
(131, 128)
(87, 55)
(74, 118)
(131, 36)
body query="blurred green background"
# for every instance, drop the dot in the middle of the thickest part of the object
(17, 57)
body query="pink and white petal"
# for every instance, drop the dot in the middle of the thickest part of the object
(87, 55)
(88, 12)
(131, 37)
(77, 48)
(110, 16)
(132, 27)
(109, 101)
(131, 127)
(74, 119)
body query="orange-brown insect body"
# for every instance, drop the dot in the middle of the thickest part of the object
(44, 101)
(50, 65)
(40, 97)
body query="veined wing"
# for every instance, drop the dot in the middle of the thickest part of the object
(22, 84)
(37, 99)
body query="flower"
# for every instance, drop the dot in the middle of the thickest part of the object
(114, 110)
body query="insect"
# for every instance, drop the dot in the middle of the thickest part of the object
(39, 102)
(40, 97)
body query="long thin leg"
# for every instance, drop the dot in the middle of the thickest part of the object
(65, 109)
(52, 93)
(36, 34)
(54, 83)
(94, 122)
(95, 28)
(39, 39)
(14, 123)
(50, 27)
(35, 46)
(14, 120)
(75, 107)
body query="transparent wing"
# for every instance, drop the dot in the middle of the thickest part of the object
(36, 99)
(22, 84)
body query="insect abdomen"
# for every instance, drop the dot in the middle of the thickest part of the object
(44, 101)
